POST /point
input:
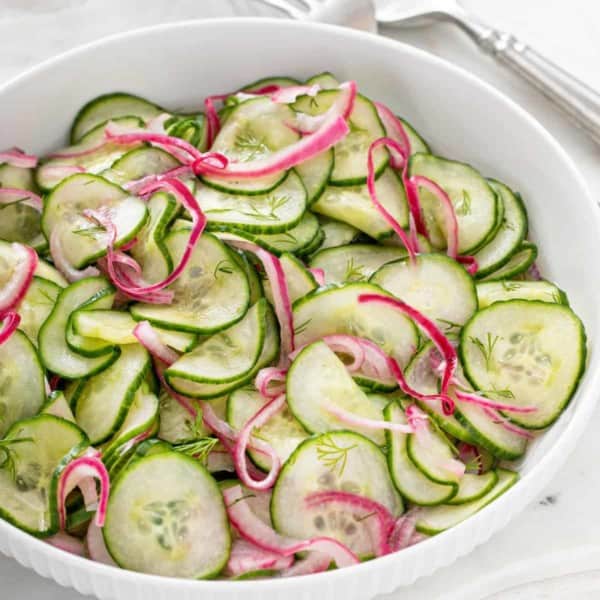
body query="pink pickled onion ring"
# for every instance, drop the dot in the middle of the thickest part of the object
(371, 186)
(394, 130)
(148, 338)
(262, 535)
(67, 543)
(25, 197)
(213, 123)
(26, 260)
(279, 289)
(496, 417)
(80, 472)
(289, 94)
(319, 276)
(315, 562)
(437, 337)
(350, 418)
(17, 158)
(246, 557)
(96, 547)
(403, 531)
(10, 323)
(482, 401)
(63, 265)
(270, 382)
(384, 519)
(239, 451)
(331, 132)
(139, 184)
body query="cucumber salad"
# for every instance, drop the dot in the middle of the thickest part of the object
(272, 337)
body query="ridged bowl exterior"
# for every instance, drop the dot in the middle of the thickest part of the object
(463, 118)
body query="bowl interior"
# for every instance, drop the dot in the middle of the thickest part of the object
(463, 119)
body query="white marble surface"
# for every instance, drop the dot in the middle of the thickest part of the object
(556, 541)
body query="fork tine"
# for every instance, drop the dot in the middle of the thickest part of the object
(287, 8)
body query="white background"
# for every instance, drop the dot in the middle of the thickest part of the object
(558, 535)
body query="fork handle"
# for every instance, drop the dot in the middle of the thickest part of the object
(577, 100)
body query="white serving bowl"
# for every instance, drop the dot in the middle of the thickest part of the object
(462, 117)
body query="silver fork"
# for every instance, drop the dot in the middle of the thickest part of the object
(358, 14)
(576, 99)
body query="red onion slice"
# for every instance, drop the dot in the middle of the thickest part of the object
(246, 557)
(349, 418)
(17, 158)
(148, 338)
(10, 323)
(96, 547)
(14, 290)
(67, 543)
(79, 473)
(240, 460)
(262, 535)
(379, 528)
(270, 382)
(25, 197)
(279, 288)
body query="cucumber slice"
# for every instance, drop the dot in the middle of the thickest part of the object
(211, 294)
(510, 235)
(439, 518)
(142, 416)
(353, 205)
(315, 173)
(283, 432)
(105, 399)
(337, 310)
(18, 178)
(110, 107)
(228, 355)
(313, 246)
(57, 405)
(270, 81)
(325, 80)
(518, 263)
(177, 426)
(150, 251)
(20, 222)
(410, 481)
(340, 460)
(32, 455)
(475, 202)
(117, 327)
(300, 280)
(317, 379)
(434, 284)
(472, 487)
(36, 306)
(272, 212)
(336, 233)
(90, 347)
(189, 127)
(21, 381)
(253, 130)
(489, 434)
(534, 350)
(244, 261)
(83, 242)
(166, 516)
(498, 291)
(354, 262)
(54, 351)
(298, 239)
(211, 390)
(421, 377)
(430, 453)
(350, 162)
(92, 153)
(45, 270)
(138, 163)
(417, 143)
